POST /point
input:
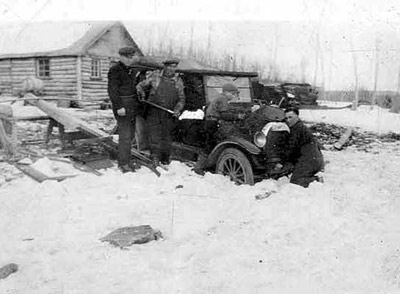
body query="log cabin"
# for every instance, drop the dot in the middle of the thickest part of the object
(71, 59)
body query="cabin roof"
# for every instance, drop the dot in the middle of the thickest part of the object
(44, 39)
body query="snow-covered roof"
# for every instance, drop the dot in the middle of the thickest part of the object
(49, 38)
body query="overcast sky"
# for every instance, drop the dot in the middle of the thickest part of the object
(254, 28)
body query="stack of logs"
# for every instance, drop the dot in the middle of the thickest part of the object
(340, 137)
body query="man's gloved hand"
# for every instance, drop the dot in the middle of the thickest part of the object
(177, 113)
(141, 97)
(121, 111)
(241, 115)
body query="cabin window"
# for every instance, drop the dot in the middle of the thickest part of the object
(96, 70)
(43, 68)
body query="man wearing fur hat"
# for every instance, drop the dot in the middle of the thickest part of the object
(122, 80)
(165, 89)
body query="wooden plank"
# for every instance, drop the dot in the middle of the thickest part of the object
(343, 139)
(61, 116)
(71, 122)
(39, 176)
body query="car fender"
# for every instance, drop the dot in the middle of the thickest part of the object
(236, 142)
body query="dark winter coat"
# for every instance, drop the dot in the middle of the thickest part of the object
(122, 82)
(304, 153)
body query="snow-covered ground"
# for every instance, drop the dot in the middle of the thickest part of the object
(372, 118)
(340, 236)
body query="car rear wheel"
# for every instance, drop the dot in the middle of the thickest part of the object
(233, 163)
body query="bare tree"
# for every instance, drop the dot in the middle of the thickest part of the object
(356, 87)
(398, 83)
(376, 70)
(303, 66)
(317, 55)
(190, 52)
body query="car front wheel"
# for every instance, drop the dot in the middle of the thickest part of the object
(234, 163)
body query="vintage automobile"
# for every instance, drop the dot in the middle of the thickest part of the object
(254, 146)
(284, 94)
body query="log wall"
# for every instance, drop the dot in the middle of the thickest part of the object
(5, 77)
(95, 88)
(61, 83)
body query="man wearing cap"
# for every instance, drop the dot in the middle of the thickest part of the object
(303, 152)
(122, 79)
(164, 89)
(218, 111)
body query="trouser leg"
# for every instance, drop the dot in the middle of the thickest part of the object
(126, 133)
(142, 133)
(210, 129)
(304, 173)
(165, 142)
(154, 126)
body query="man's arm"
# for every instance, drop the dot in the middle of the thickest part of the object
(181, 96)
(113, 88)
(142, 87)
(299, 136)
(227, 113)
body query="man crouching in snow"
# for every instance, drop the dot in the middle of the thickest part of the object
(303, 150)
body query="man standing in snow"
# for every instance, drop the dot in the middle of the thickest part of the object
(303, 150)
(122, 79)
(166, 90)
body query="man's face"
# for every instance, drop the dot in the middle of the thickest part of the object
(169, 70)
(232, 95)
(291, 118)
(130, 59)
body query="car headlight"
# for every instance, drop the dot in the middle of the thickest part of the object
(260, 139)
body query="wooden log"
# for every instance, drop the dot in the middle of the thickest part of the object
(6, 143)
(55, 69)
(5, 110)
(101, 87)
(60, 87)
(63, 62)
(26, 65)
(32, 84)
(343, 139)
(3, 107)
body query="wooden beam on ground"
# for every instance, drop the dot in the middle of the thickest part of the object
(6, 100)
(39, 176)
(71, 122)
(344, 138)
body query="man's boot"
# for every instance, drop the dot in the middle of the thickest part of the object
(125, 168)
(200, 164)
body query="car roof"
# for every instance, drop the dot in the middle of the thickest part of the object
(191, 66)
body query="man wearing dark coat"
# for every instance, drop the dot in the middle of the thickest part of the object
(122, 80)
(219, 116)
(165, 89)
(303, 150)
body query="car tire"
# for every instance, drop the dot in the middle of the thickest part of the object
(233, 163)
